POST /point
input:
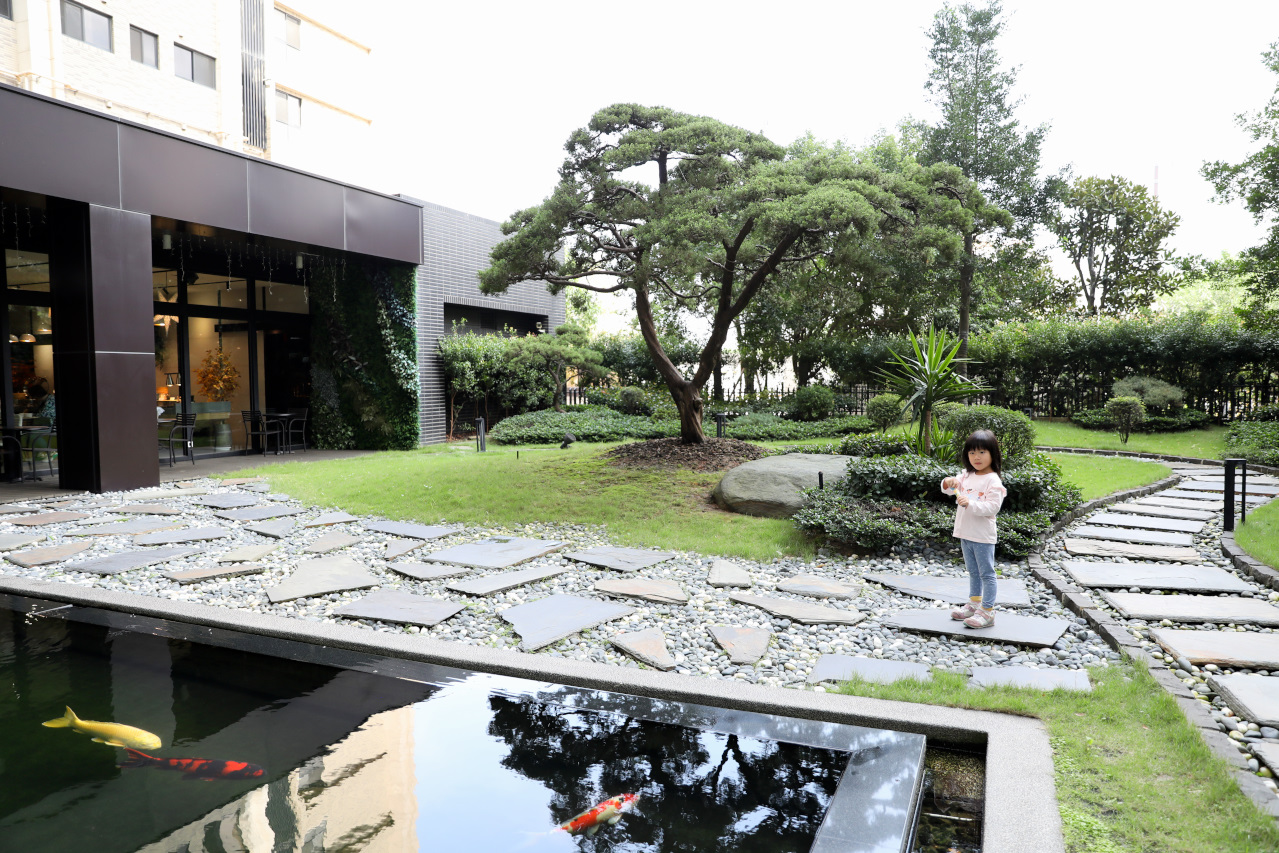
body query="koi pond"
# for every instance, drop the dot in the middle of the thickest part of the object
(131, 734)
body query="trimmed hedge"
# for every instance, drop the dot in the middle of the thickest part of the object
(754, 428)
(1186, 419)
(873, 444)
(1013, 429)
(600, 423)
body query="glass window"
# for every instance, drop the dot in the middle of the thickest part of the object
(31, 360)
(6, 9)
(195, 66)
(144, 47)
(282, 297)
(86, 25)
(288, 109)
(290, 29)
(219, 291)
(26, 270)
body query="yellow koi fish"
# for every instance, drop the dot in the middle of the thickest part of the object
(112, 734)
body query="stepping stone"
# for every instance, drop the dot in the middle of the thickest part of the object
(45, 556)
(47, 518)
(1011, 592)
(726, 574)
(647, 647)
(332, 542)
(1008, 627)
(259, 513)
(15, 509)
(1146, 522)
(846, 667)
(1210, 498)
(502, 581)
(1193, 608)
(1253, 697)
(229, 501)
(1224, 648)
(400, 547)
(247, 554)
(79, 503)
(1268, 753)
(10, 541)
(1144, 537)
(128, 560)
(1254, 488)
(819, 587)
(242, 481)
(164, 494)
(1154, 576)
(744, 645)
(412, 531)
(402, 607)
(429, 571)
(620, 559)
(548, 620)
(500, 552)
(662, 592)
(330, 518)
(146, 509)
(1024, 676)
(174, 537)
(1179, 503)
(135, 525)
(277, 529)
(1101, 548)
(322, 576)
(800, 611)
(1163, 511)
(227, 571)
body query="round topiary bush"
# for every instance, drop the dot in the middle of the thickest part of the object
(1153, 393)
(884, 410)
(813, 403)
(1125, 413)
(873, 444)
(1014, 430)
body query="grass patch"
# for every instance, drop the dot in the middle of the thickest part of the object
(1259, 535)
(1098, 476)
(1207, 443)
(1132, 775)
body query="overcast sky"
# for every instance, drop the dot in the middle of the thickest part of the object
(478, 97)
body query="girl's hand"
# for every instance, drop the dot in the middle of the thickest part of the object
(962, 500)
(949, 483)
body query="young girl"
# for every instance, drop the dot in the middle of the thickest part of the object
(980, 494)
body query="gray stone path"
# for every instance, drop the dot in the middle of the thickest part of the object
(400, 607)
(1246, 650)
(647, 646)
(125, 561)
(1102, 548)
(620, 559)
(1012, 592)
(502, 581)
(1193, 608)
(1141, 537)
(1255, 697)
(1146, 522)
(660, 591)
(321, 576)
(846, 668)
(1182, 577)
(743, 645)
(1163, 511)
(1008, 627)
(1040, 679)
(555, 617)
(500, 552)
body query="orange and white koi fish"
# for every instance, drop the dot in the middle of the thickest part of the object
(195, 768)
(606, 813)
(112, 734)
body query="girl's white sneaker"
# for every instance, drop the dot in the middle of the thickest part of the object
(959, 614)
(980, 619)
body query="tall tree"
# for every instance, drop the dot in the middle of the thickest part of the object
(657, 202)
(1114, 234)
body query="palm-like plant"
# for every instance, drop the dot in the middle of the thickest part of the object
(928, 378)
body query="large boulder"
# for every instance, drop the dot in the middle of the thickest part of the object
(771, 486)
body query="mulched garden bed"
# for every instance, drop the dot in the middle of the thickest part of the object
(715, 454)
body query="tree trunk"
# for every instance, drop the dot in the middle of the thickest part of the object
(688, 400)
(717, 388)
(966, 270)
(748, 377)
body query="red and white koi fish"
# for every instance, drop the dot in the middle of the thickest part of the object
(195, 768)
(606, 813)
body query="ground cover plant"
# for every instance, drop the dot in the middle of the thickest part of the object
(1208, 443)
(1259, 533)
(1256, 441)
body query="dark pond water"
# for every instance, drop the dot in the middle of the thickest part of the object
(301, 756)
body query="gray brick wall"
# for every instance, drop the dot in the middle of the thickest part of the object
(455, 247)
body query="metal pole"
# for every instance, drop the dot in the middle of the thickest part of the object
(720, 420)
(1228, 519)
(1243, 490)
(479, 435)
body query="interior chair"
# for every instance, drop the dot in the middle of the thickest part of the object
(256, 424)
(41, 443)
(295, 424)
(182, 434)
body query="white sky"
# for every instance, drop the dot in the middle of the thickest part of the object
(477, 98)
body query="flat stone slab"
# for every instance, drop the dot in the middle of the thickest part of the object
(145, 509)
(45, 556)
(1178, 503)
(132, 526)
(773, 486)
(224, 571)
(412, 531)
(125, 561)
(548, 620)
(502, 581)
(819, 587)
(164, 494)
(620, 559)
(1143, 537)
(10, 541)
(1268, 754)
(1211, 498)
(403, 607)
(800, 611)
(429, 571)
(330, 518)
(400, 547)
(647, 647)
(1154, 576)
(744, 645)
(500, 552)
(229, 501)
(662, 592)
(332, 542)
(1102, 548)
(846, 667)
(242, 481)
(16, 509)
(1254, 487)
(189, 534)
(1008, 627)
(1146, 522)
(277, 529)
(1011, 592)
(259, 513)
(322, 576)
(1253, 697)
(1024, 676)
(725, 574)
(47, 518)
(247, 553)
(1224, 648)
(1193, 608)
(1163, 511)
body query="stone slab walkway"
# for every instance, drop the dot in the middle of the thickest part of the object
(1008, 627)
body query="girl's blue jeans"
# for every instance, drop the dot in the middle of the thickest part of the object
(979, 557)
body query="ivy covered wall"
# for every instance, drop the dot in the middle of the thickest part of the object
(364, 379)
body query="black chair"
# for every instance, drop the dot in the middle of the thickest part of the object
(11, 458)
(37, 442)
(182, 433)
(256, 424)
(295, 423)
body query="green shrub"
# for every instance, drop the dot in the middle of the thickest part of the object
(1256, 441)
(1154, 393)
(758, 428)
(812, 403)
(630, 401)
(595, 423)
(1264, 413)
(633, 400)
(942, 409)
(1093, 419)
(872, 444)
(884, 410)
(1186, 419)
(1014, 430)
(1125, 413)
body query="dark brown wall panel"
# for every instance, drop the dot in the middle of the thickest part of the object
(127, 449)
(383, 227)
(168, 177)
(297, 207)
(48, 148)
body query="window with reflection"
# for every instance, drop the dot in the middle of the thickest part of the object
(31, 363)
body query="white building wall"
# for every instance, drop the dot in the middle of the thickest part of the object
(8, 51)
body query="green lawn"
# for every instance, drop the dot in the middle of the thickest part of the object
(1259, 535)
(1099, 476)
(1207, 443)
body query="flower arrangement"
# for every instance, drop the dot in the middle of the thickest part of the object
(217, 376)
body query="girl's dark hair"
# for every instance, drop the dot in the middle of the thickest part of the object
(982, 439)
